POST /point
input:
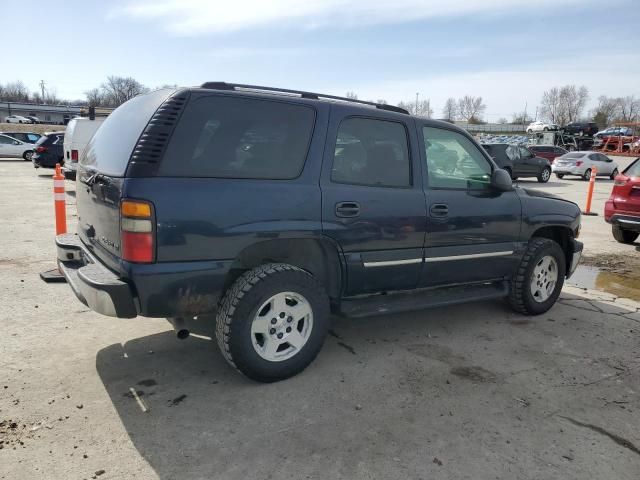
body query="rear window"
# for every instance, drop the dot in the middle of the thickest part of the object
(109, 150)
(634, 169)
(573, 155)
(230, 137)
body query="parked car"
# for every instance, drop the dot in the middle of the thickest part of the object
(33, 119)
(581, 164)
(16, 119)
(270, 210)
(541, 127)
(519, 161)
(12, 147)
(614, 131)
(77, 135)
(550, 152)
(49, 150)
(26, 137)
(581, 128)
(622, 210)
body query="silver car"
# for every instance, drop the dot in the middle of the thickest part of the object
(582, 164)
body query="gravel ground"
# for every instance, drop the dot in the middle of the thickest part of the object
(466, 392)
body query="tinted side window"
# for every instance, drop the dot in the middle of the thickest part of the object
(110, 148)
(5, 140)
(232, 137)
(371, 152)
(453, 161)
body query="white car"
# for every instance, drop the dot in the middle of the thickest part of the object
(16, 119)
(12, 147)
(582, 163)
(77, 135)
(541, 127)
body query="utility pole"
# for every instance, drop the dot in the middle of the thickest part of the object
(42, 88)
(524, 117)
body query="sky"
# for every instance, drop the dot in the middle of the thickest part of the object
(507, 51)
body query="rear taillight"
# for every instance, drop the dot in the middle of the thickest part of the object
(41, 149)
(579, 162)
(136, 231)
(620, 181)
(74, 155)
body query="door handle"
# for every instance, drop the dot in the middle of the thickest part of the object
(439, 210)
(347, 209)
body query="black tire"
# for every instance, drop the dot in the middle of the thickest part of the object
(239, 306)
(560, 175)
(520, 296)
(586, 176)
(614, 174)
(544, 175)
(546, 129)
(529, 131)
(27, 155)
(624, 236)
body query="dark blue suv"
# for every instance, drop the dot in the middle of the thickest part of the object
(272, 208)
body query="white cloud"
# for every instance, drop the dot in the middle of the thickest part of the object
(194, 17)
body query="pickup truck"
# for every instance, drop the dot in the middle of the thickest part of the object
(272, 209)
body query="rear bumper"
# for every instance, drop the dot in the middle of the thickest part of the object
(628, 222)
(69, 170)
(94, 284)
(163, 290)
(576, 253)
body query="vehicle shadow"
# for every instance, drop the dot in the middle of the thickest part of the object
(380, 392)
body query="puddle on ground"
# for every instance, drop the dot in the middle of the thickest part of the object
(616, 284)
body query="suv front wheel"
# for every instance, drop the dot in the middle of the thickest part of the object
(272, 322)
(539, 278)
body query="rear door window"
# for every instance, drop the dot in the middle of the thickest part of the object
(231, 137)
(371, 152)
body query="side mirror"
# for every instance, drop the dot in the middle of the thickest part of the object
(15, 142)
(501, 180)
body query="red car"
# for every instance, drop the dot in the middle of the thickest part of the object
(622, 210)
(549, 152)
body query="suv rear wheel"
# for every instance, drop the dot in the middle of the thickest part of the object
(539, 278)
(272, 322)
(544, 175)
(624, 236)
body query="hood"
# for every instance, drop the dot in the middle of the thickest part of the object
(539, 194)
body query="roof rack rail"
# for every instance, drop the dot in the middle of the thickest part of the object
(302, 94)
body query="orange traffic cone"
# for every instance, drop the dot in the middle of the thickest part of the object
(54, 275)
(592, 183)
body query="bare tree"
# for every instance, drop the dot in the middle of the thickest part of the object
(471, 108)
(629, 109)
(573, 100)
(15, 92)
(450, 110)
(502, 120)
(351, 95)
(94, 97)
(564, 105)
(520, 118)
(421, 109)
(607, 110)
(117, 90)
(551, 105)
